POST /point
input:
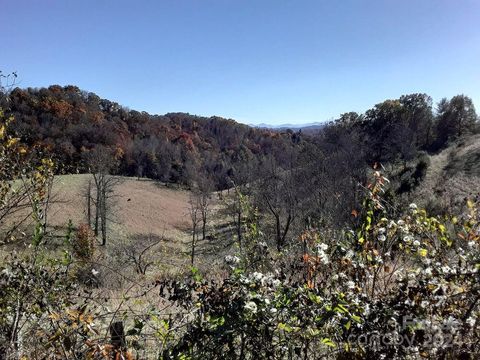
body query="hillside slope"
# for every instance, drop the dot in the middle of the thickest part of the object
(140, 209)
(452, 177)
(140, 206)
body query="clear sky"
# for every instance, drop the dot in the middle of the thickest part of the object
(257, 61)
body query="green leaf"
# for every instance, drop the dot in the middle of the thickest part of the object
(356, 318)
(328, 342)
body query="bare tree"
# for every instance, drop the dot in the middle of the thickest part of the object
(87, 195)
(241, 178)
(235, 210)
(204, 195)
(195, 217)
(139, 251)
(101, 162)
(204, 202)
(277, 193)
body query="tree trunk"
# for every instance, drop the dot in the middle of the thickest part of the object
(193, 244)
(285, 231)
(117, 334)
(97, 208)
(104, 211)
(278, 232)
(239, 228)
(89, 203)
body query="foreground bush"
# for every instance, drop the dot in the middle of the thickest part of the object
(398, 286)
(394, 288)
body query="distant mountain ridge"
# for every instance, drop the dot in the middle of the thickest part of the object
(306, 126)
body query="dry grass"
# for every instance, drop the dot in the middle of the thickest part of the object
(453, 175)
(141, 206)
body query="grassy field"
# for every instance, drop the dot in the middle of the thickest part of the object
(141, 208)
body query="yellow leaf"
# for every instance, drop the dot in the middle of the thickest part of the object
(470, 204)
(2, 132)
(54, 316)
(11, 142)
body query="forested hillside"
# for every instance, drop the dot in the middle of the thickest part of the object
(173, 148)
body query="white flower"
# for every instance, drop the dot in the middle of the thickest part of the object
(471, 321)
(273, 310)
(413, 206)
(446, 269)
(263, 244)
(322, 246)
(321, 253)
(382, 238)
(6, 272)
(428, 271)
(382, 230)
(407, 238)
(323, 257)
(416, 243)
(366, 309)
(230, 259)
(276, 283)
(251, 306)
(350, 284)
(95, 272)
(257, 276)
(244, 280)
(451, 323)
(471, 244)
(401, 222)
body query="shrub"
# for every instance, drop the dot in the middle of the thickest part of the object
(404, 287)
(84, 243)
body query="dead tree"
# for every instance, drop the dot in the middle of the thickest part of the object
(278, 194)
(105, 194)
(101, 163)
(204, 195)
(235, 209)
(87, 195)
(194, 212)
(139, 252)
(241, 178)
(204, 202)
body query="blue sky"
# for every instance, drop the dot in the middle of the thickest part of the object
(257, 61)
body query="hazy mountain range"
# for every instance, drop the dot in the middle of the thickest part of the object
(306, 126)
